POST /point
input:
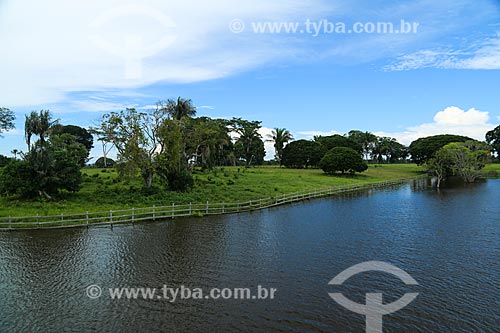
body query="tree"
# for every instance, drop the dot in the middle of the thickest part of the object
(336, 140)
(389, 150)
(366, 140)
(423, 149)
(177, 109)
(302, 154)
(81, 134)
(7, 118)
(493, 138)
(248, 139)
(463, 159)
(45, 171)
(102, 163)
(253, 154)
(40, 124)
(342, 159)
(280, 137)
(136, 137)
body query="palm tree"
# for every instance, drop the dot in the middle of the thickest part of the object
(31, 127)
(15, 152)
(38, 124)
(280, 136)
(181, 108)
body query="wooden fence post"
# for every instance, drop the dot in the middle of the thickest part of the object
(207, 208)
(111, 217)
(173, 210)
(222, 207)
(190, 209)
(133, 214)
(154, 212)
(87, 217)
(10, 222)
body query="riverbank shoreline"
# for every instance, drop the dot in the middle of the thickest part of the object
(152, 214)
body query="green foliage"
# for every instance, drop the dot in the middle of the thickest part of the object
(7, 118)
(493, 138)
(280, 137)
(81, 135)
(44, 172)
(179, 181)
(302, 154)
(344, 160)
(365, 140)
(249, 145)
(101, 163)
(4, 160)
(388, 150)
(463, 159)
(423, 149)
(333, 141)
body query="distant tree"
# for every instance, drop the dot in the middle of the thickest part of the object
(99, 163)
(336, 140)
(280, 137)
(248, 138)
(81, 134)
(177, 109)
(15, 152)
(366, 140)
(7, 118)
(423, 149)
(493, 138)
(343, 160)
(253, 153)
(388, 150)
(40, 124)
(302, 154)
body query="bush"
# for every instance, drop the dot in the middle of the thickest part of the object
(180, 181)
(342, 159)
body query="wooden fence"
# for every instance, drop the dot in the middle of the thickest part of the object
(135, 215)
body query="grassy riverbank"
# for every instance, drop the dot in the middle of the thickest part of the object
(102, 190)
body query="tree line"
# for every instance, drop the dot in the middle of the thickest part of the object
(165, 144)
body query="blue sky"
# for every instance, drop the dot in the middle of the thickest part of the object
(81, 60)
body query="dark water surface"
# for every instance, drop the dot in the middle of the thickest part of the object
(448, 241)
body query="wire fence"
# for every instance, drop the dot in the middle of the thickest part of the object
(136, 215)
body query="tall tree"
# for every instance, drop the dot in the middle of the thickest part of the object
(7, 118)
(40, 124)
(177, 109)
(136, 137)
(280, 137)
(249, 138)
(366, 140)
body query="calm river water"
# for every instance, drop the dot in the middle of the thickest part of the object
(448, 241)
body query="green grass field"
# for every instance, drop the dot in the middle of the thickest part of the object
(103, 191)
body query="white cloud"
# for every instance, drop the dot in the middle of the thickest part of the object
(452, 120)
(485, 55)
(54, 54)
